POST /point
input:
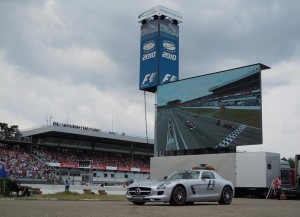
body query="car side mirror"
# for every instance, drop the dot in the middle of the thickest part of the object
(165, 177)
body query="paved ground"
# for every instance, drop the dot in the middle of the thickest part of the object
(239, 207)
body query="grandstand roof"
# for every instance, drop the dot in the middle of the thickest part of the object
(262, 67)
(88, 135)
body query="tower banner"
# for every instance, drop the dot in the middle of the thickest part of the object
(149, 62)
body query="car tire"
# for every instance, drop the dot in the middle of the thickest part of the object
(226, 196)
(138, 203)
(178, 196)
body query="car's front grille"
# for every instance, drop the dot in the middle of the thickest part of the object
(139, 191)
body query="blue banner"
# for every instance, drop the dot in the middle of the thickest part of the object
(168, 58)
(149, 62)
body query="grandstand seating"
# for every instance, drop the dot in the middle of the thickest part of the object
(20, 163)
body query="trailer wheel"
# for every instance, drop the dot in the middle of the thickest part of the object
(226, 196)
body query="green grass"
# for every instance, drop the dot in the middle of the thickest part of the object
(242, 116)
(76, 196)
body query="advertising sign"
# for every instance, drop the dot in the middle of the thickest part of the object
(159, 57)
(123, 169)
(71, 165)
(169, 58)
(149, 62)
(215, 111)
(99, 167)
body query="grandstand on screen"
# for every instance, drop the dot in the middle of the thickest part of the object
(113, 158)
(243, 93)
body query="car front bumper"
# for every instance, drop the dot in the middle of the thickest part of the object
(162, 195)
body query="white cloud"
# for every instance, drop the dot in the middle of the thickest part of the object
(281, 114)
(33, 98)
(79, 61)
(83, 59)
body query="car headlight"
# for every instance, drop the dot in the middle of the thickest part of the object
(163, 186)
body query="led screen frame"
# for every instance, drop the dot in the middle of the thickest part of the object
(217, 111)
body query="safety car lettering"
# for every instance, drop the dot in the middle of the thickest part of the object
(210, 185)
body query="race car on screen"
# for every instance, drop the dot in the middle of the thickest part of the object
(183, 187)
(190, 125)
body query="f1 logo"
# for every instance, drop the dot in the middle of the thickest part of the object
(149, 78)
(211, 183)
(169, 78)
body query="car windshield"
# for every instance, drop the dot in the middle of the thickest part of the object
(190, 174)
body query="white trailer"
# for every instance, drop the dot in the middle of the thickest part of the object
(251, 173)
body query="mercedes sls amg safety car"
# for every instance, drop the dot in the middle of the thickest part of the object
(183, 187)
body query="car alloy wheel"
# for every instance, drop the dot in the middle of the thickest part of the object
(178, 196)
(226, 196)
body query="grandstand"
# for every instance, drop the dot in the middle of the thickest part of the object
(243, 92)
(55, 152)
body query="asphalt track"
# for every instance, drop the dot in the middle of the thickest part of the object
(239, 207)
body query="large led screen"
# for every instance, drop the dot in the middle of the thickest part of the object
(215, 111)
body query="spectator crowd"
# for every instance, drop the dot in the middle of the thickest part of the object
(21, 163)
(99, 159)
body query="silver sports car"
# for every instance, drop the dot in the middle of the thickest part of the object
(183, 187)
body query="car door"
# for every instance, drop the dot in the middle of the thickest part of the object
(200, 187)
(208, 185)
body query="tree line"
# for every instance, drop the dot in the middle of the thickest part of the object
(9, 131)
